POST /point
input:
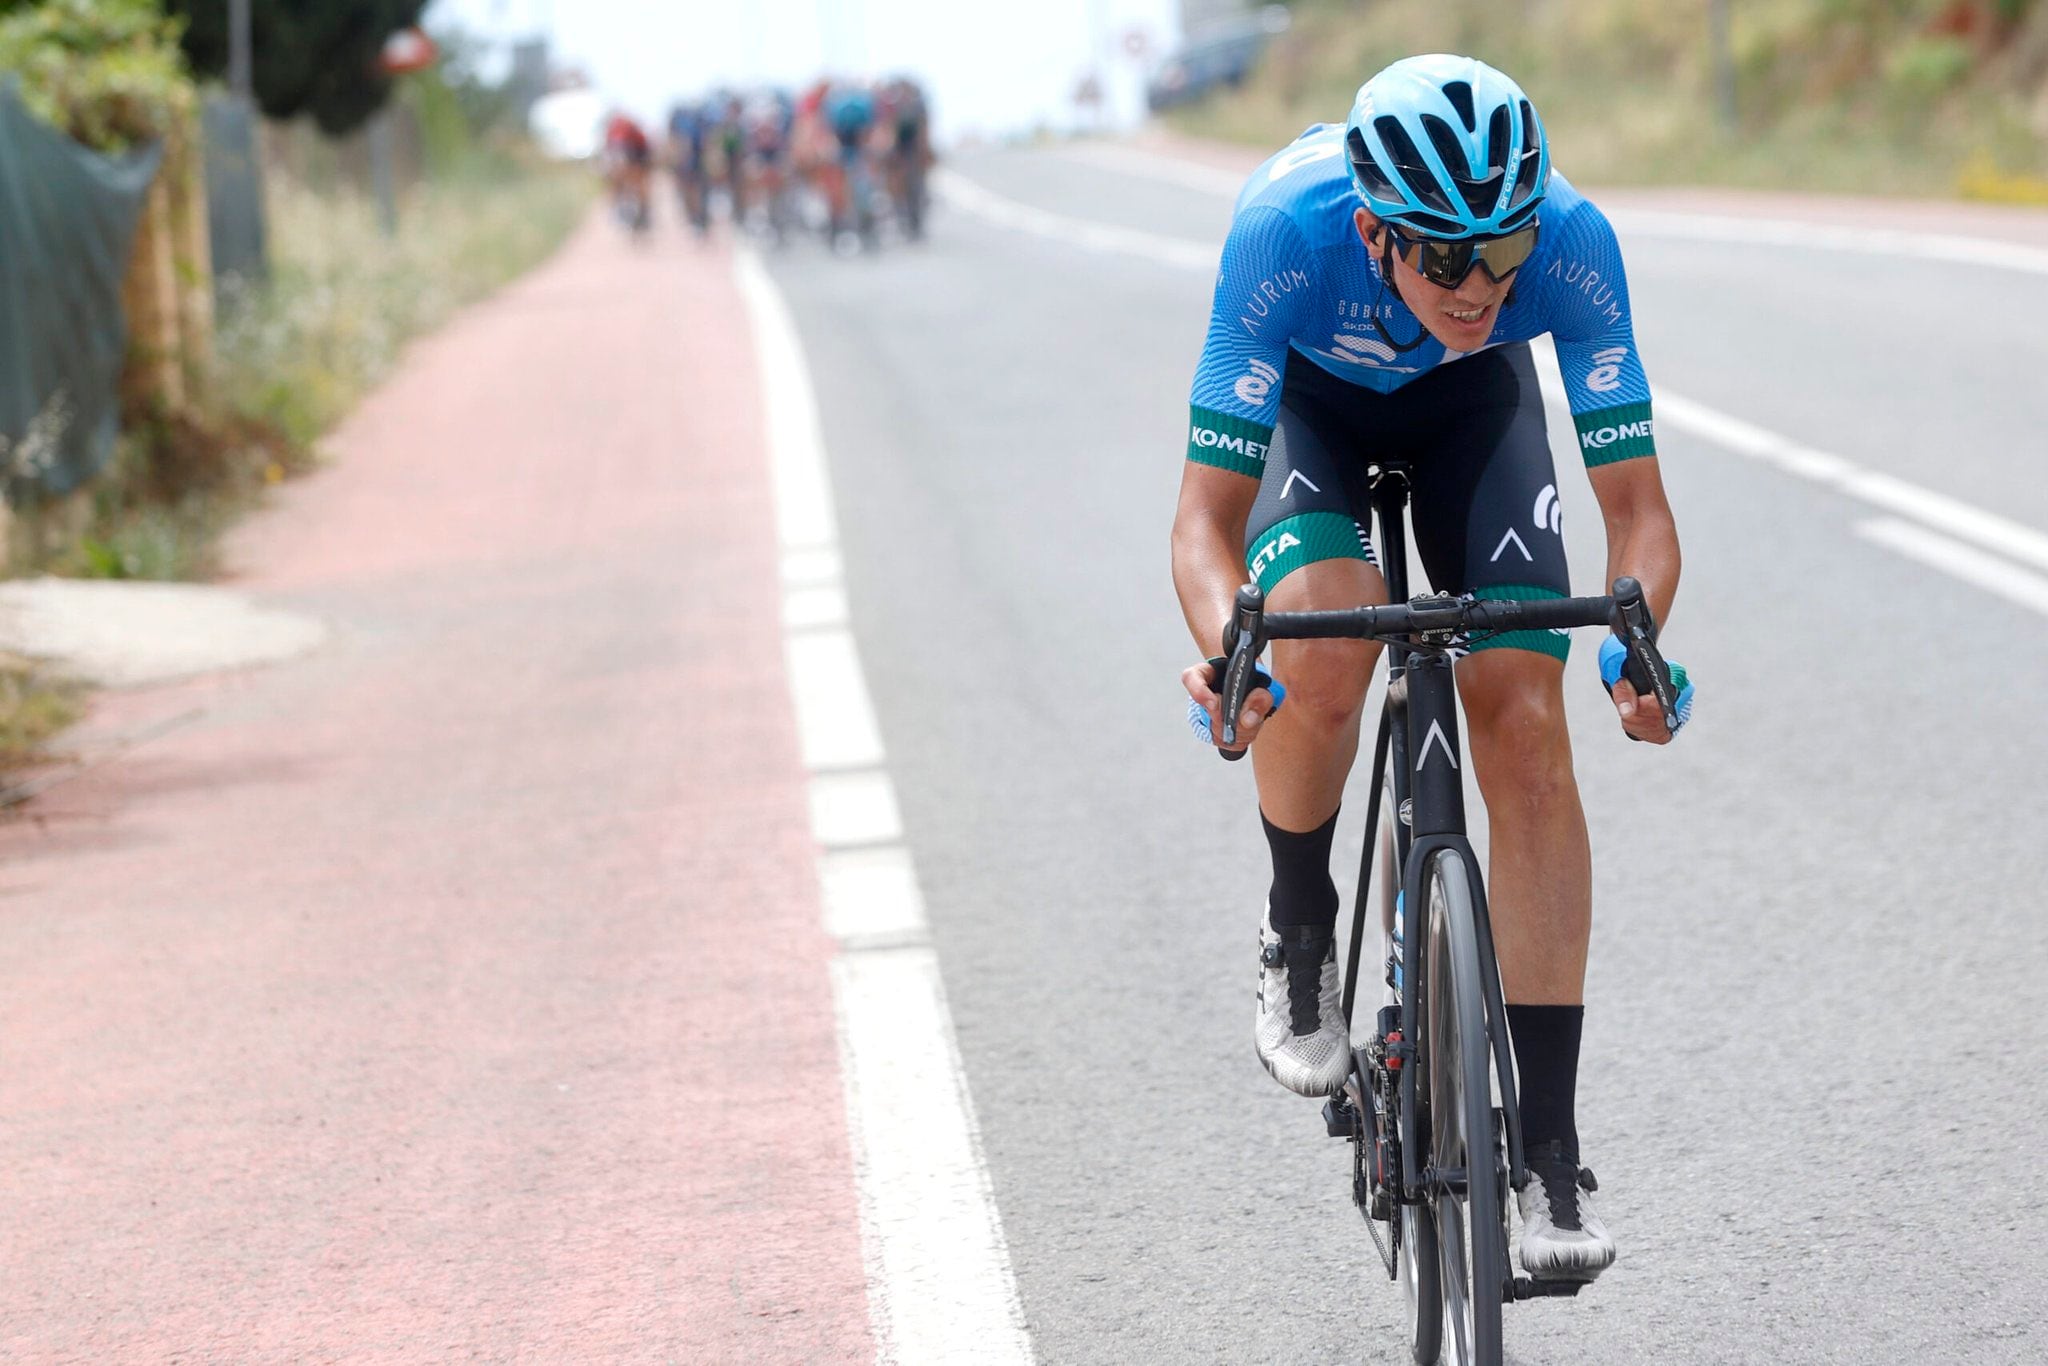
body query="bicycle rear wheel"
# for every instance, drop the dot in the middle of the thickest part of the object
(1471, 1232)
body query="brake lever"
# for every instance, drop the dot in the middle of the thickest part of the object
(1645, 668)
(1243, 636)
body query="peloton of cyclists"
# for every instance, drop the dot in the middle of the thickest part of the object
(846, 145)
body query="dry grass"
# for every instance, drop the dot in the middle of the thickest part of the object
(1835, 95)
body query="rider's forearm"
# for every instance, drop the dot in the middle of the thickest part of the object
(1645, 545)
(1208, 569)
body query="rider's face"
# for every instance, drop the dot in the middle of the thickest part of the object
(1462, 318)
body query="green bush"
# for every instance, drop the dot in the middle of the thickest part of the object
(1927, 67)
(108, 72)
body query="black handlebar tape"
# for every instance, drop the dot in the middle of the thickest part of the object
(1538, 614)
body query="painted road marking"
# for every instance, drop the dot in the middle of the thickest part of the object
(854, 809)
(835, 721)
(809, 607)
(1005, 212)
(1946, 248)
(871, 894)
(1939, 512)
(1954, 558)
(940, 1286)
(813, 568)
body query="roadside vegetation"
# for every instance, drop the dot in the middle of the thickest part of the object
(1909, 97)
(292, 353)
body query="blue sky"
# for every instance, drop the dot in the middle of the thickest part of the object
(991, 66)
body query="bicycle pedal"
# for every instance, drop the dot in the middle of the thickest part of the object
(1339, 1118)
(1529, 1288)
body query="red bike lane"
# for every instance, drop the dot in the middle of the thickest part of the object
(459, 989)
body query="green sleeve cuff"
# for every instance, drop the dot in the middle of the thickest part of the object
(1229, 443)
(1608, 435)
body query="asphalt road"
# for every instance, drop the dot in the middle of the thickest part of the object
(1816, 1023)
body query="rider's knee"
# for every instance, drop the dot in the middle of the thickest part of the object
(1517, 722)
(1326, 680)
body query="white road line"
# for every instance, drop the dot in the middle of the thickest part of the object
(1947, 248)
(813, 568)
(1964, 562)
(940, 1286)
(835, 721)
(1004, 212)
(939, 1270)
(854, 809)
(805, 609)
(1939, 511)
(1925, 505)
(871, 894)
(804, 524)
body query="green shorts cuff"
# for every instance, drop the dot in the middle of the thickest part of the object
(1302, 539)
(1556, 644)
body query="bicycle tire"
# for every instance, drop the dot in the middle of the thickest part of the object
(1416, 1260)
(1457, 1059)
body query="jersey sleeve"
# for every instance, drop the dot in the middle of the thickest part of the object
(1596, 344)
(1261, 288)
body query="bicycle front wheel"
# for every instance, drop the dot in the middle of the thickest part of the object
(1471, 1233)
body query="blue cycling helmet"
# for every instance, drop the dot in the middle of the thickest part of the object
(1448, 148)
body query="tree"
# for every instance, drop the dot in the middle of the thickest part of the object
(316, 57)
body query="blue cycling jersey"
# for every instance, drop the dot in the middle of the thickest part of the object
(1296, 282)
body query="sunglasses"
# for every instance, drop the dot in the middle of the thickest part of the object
(1446, 264)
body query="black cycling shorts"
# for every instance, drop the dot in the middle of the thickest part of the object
(1484, 504)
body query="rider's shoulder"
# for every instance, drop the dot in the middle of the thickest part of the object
(1573, 223)
(1309, 182)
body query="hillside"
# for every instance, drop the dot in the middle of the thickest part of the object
(1874, 96)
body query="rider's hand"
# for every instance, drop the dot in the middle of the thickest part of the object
(1640, 716)
(1201, 679)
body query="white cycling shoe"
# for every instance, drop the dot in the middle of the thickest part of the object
(1299, 1026)
(1562, 1236)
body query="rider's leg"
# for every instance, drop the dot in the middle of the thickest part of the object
(1305, 546)
(1541, 879)
(1305, 751)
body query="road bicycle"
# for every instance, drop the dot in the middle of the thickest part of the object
(1429, 1108)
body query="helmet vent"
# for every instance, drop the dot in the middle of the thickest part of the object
(1448, 148)
(1526, 175)
(1497, 141)
(1459, 93)
(1414, 169)
(1368, 171)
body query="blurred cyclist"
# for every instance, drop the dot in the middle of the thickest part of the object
(1378, 290)
(908, 125)
(628, 157)
(767, 121)
(850, 114)
(686, 130)
(732, 153)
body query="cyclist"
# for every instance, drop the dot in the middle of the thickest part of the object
(1378, 290)
(732, 150)
(687, 127)
(850, 114)
(768, 117)
(903, 113)
(627, 159)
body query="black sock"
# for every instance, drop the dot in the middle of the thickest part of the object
(1303, 895)
(1547, 1065)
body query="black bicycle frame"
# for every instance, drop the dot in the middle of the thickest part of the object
(1419, 734)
